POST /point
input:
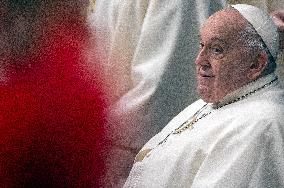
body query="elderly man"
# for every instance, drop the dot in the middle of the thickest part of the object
(233, 136)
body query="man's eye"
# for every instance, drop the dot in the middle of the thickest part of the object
(201, 45)
(216, 50)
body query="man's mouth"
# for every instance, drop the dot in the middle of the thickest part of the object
(205, 75)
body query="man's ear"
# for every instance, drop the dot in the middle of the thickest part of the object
(258, 66)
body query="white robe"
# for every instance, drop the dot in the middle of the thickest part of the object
(238, 145)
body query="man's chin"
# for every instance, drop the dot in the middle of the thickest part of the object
(206, 94)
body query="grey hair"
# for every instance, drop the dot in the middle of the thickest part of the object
(254, 42)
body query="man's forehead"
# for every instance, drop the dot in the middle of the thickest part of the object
(223, 25)
(220, 36)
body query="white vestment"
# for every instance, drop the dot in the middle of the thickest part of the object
(238, 145)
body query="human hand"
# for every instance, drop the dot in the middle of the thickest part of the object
(278, 18)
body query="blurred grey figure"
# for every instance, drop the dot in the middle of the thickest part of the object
(148, 48)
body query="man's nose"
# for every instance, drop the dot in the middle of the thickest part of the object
(202, 58)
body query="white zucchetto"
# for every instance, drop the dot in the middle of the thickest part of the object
(263, 24)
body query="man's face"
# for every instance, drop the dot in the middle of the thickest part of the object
(223, 62)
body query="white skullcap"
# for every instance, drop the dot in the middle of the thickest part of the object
(263, 24)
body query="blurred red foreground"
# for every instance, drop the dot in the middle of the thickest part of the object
(51, 115)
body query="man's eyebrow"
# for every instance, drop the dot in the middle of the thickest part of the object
(215, 39)
(218, 39)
